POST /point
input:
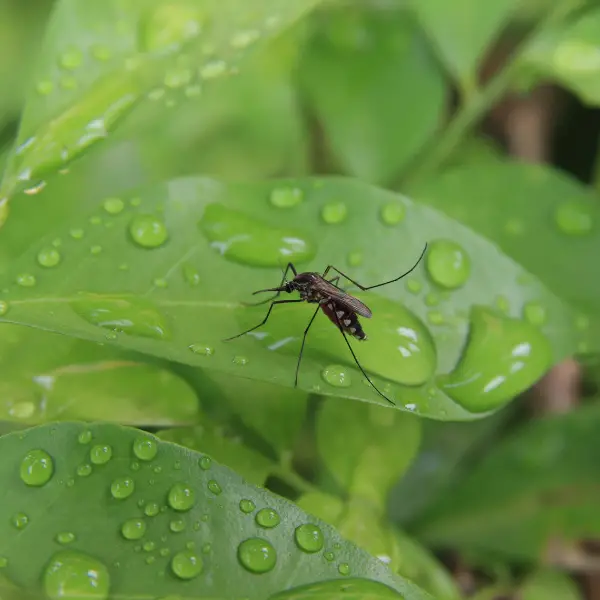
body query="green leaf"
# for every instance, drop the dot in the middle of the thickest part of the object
(550, 584)
(99, 62)
(375, 89)
(366, 448)
(164, 270)
(181, 509)
(353, 589)
(568, 53)
(540, 483)
(227, 449)
(462, 31)
(541, 218)
(49, 377)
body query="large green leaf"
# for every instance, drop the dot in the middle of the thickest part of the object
(47, 377)
(374, 87)
(164, 270)
(538, 485)
(99, 61)
(133, 516)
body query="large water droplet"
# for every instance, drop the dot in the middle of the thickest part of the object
(37, 468)
(25, 280)
(76, 576)
(181, 497)
(148, 231)
(145, 448)
(503, 357)
(48, 257)
(132, 316)
(309, 538)
(100, 454)
(267, 518)
(448, 264)
(122, 488)
(247, 506)
(334, 213)
(392, 213)
(337, 376)
(574, 218)
(133, 529)
(214, 487)
(246, 240)
(170, 25)
(286, 197)
(257, 555)
(187, 564)
(113, 206)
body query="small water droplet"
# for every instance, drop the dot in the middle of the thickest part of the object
(240, 360)
(329, 556)
(71, 59)
(181, 497)
(159, 282)
(45, 87)
(75, 575)
(96, 220)
(3, 562)
(134, 466)
(448, 264)
(355, 258)
(85, 437)
(334, 213)
(514, 227)
(392, 213)
(3, 307)
(148, 546)
(133, 529)
(344, 569)
(337, 376)
(65, 537)
(503, 304)
(122, 488)
(190, 274)
(113, 206)
(150, 559)
(152, 509)
(202, 349)
(435, 317)
(574, 218)
(243, 39)
(286, 197)
(37, 468)
(177, 525)
(20, 520)
(205, 463)
(148, 231)
(192, 91)
(145, 448)
(95, 250)
(267, 518)
(257, 555)
(309, 538)
(212, 69)
(164, 552)
(168, 26)
(187, 564)
(177, 77)
(48, 257)
(214, 487)
(100, 454)
(26, 280)
(432, 299)
(247, 506)
(76, 233)
(535, 313)
(84, 470)
(100, 52)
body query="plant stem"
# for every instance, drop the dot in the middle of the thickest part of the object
(469, 115)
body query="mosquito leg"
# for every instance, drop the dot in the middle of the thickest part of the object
(302, 346)
(265, 319)
(370, 287)
(358, 364)
(289, 267)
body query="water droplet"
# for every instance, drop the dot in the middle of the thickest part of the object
(329, 556)
(435, 317)
(25, 280)
(113, 206)
(95, 250)
(181, 497)
(177, 77)
(502, 304)
(96, 220)
(243, 239)
(187, 564)
(257, 555)
(148, 546)
(76, 576)
(202, 349)
(334, 213)
(582, 322)
(150, 559)
(337, 376)
(76, 233)
(205, 463)
(145, 448)
(159, 282)
(164, 552)
(3, 308)
(57, 242)
(100, 454)
(100, 52)
(214, 487)
(192, 91)
(574, 217)
(129, 315)
(448, 264)
(177, 525)
(355, 258)
(309, 538)
(3, 562)
(148, 231)
(502, 358)
(514, 227)
(133, 529)
(243, 39)
(68, 82)
(37, 468)
(344, 569)
(122, 488)
(190, 274)
(152, 509)
(286, 197)
(44, 88)
(84, 470)
(212, 69)
(65, 537)
(20, 520)
(170, 25)
(392, 213)
(267, 517)
(48, 257)
(134, 466)
(85, 437)
(206, 548)
(71, 59)
(247, 506)
(240, 360)
(535, 313)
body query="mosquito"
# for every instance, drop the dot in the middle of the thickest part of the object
(341, 308)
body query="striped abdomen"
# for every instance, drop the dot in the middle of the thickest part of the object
(340, 316)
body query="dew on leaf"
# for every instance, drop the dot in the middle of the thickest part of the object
(95, 250)
(44, 87)
(503, 304)
(36, 468)
(337, 376)
(168, 26)
(65, 537)
(68, 82)
(177, 77)
(100, 52)
(247, 506)
(243, 39)
(534, 313)
(26, 280)
(448, 264)
(85, 437)
(267, 518)
(432, 299)
(334, 213)
(205, 463)
(309, 538)
(76, 576)
(145, 448)
(148, 231)
(257, 555)
(240, 360)
(122, 488)
(148, 546)
(20, 520)
(35, 189)
(71, 59)
(344, 569)
(286, 197)
(113, 205)
(84, 470)
(3, 307)
(177, 525)
(187, 564)
(133, 529)
(100, 454)
(190, 274)
(435, 317)
(414, 286)
(392, 213)
(76, 233)
(212, 69)
(329, 556)
(48, 257)
(159, 282)
(214, 487)
(355, 258)
(151, 509)
(3, 562)
(181, 497)
(574, 218)
(514, 227)
(202, 349)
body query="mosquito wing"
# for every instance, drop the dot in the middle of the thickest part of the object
(341, 297)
